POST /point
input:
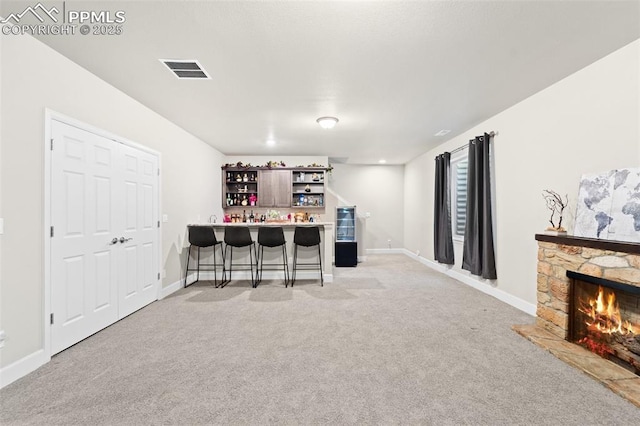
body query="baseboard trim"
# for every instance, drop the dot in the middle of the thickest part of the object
(479, 284)
(22, 367)
(171, 288)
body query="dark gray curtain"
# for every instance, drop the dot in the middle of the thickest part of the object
(442, 236)
(478, 254)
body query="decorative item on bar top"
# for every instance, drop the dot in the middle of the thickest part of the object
(275, 216)
(556, 205)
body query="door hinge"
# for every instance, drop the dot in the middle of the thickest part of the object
(158, 171)
(158, 275)
(51, 319)
(52, 231)
(158, 224)
(51, 144)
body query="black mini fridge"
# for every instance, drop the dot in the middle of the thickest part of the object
(346, 248)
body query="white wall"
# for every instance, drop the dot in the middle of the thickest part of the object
(588, 122)
(1, 211)
(378, 190)
(35, 77)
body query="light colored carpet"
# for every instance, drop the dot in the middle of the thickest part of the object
(389, 342)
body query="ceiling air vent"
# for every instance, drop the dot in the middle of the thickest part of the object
(185, 68)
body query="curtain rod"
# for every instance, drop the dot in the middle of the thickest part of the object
(460, 148)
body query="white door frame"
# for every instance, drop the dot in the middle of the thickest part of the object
(50, 116)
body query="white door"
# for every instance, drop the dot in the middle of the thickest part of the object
(104, 261)
(139, 209)
(84, 294)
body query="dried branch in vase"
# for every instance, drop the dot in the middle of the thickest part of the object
(556, 205)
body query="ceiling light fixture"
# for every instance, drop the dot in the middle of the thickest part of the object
(382, 161)
(327, 122)
(271, 142)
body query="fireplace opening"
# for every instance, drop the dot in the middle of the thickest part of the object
(604, 317)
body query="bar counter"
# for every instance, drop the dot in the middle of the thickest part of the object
(304, 254)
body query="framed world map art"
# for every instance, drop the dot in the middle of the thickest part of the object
(609, 205)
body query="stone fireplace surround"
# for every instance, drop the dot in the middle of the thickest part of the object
(611, 260)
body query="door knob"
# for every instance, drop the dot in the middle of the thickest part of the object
(124, 240)
(114, 241)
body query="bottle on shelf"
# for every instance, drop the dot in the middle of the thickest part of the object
(229, 202)
(244, 215)
(252, 218)
(245, 178)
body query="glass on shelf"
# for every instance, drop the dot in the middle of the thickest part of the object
(303, 200)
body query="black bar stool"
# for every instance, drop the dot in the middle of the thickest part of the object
(306, 236)
(272, 236)
(201, 237)
(239, 236)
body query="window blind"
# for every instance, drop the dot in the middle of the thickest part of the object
(460, 196)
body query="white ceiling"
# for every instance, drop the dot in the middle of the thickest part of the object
(393, 72)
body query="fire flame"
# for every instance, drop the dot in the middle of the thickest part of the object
(604, 314)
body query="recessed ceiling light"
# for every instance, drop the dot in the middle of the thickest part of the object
(442, 132)
(382, 161)
(186, 68)
(327, 122)
(271, 142)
